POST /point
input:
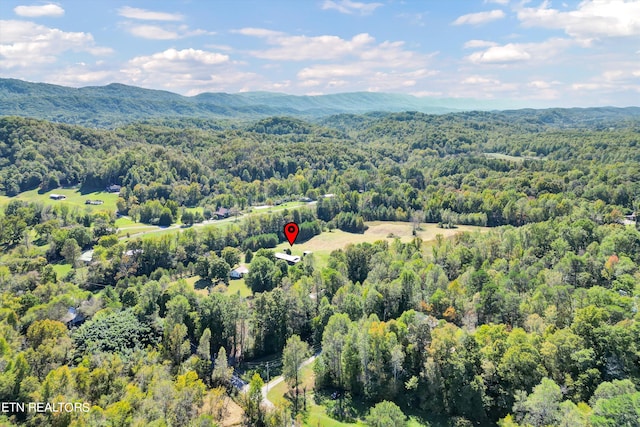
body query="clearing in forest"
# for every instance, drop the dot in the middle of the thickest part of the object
(323, 244)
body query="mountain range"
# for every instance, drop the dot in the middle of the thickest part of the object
(116, 104)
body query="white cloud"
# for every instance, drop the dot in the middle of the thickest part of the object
(541, 84)
(302, 48)
(479, 17)
(327, 48)
(625, 77)
(25, 44)
(426, 93)
(502, 2)
(82, 74)
(148, 15)
(37, 11)
(350, 7)
(591, 19)
(224, 47)
(258, 32)
(520, 52)
(152, 32)
(360, 62)
(474, 80)
(499, 54)
(361, 75)
(178, 57)
(156, 32)
(189, 71)
(473, 44)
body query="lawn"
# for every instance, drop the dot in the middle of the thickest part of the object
(74, 199)
(62, 270)
(323, 244)
(238, 285)
(235, 286)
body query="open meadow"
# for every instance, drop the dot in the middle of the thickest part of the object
(74, 199)
(323, 244)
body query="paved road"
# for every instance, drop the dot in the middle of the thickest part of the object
(274, 382)
(200, 224)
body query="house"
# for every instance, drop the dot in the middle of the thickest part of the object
(73, 318)
(291, 259)
(221, 213)
(57, 196)
(630, 219)
(86, 257)
(93, 202)
(113, 188)
(238, 273)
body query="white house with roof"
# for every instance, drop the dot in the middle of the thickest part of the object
(238, 273)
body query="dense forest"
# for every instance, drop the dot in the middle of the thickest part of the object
(530, 321)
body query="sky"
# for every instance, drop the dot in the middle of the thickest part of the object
(537, 53)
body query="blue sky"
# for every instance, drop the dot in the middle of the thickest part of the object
(537, 53)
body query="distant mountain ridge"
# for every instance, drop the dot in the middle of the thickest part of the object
(116, 104)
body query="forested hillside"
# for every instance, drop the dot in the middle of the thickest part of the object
(117, 104)
(530, 321)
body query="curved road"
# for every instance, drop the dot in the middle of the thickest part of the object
(277, 380)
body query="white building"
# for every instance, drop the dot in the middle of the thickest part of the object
(291, 259)
(238, 273)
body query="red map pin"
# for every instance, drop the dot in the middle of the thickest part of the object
(291, 231)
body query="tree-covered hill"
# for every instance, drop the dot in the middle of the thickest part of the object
(117, 104)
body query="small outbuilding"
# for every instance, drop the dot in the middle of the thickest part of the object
(54, 196)
(221, 213)
(238, 273)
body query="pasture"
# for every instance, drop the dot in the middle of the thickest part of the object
(75, 199)
(323, 244)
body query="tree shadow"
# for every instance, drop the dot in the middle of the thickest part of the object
(202, 284)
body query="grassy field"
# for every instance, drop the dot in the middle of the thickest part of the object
(239, 286)
(323, 244)
(518, 159)
(234, 287)
(62, 270)
(75, 199)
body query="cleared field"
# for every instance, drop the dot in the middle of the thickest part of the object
(323, 244)
(238, 286)
(235, 286)
(62, 270)
(74, 199)
(518, 159)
